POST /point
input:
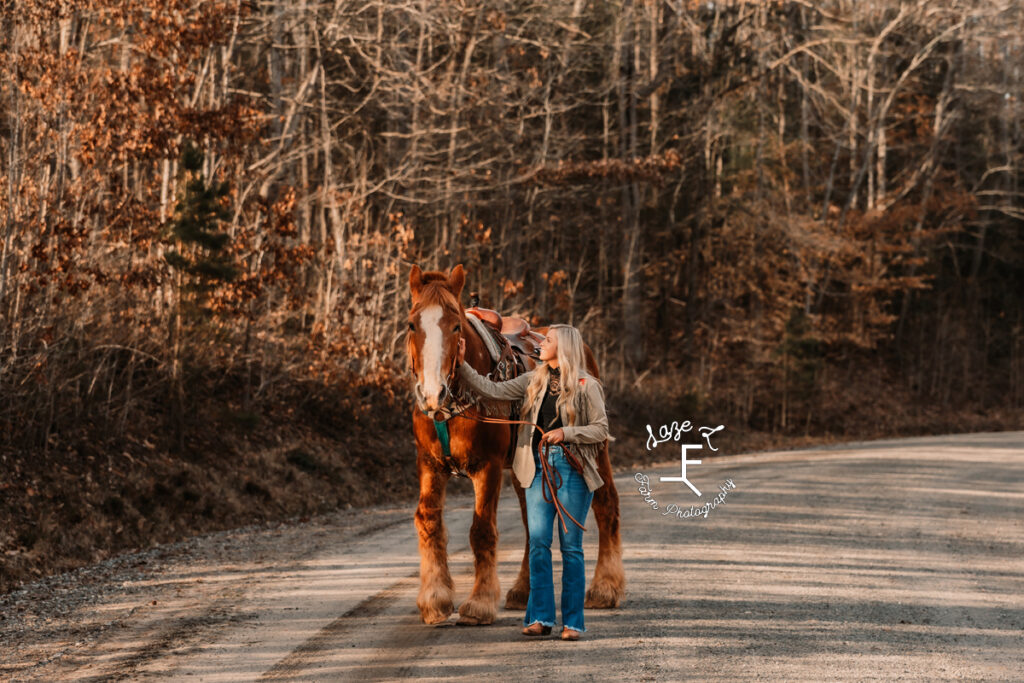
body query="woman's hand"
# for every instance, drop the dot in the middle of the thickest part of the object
(554, 436)
(461, 356)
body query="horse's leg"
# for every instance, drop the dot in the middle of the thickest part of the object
(609, 583)
(519, 593)
(482, 605)
(437, 591)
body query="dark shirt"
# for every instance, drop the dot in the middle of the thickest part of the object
(548, 412)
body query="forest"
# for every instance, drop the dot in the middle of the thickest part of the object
(800, 220)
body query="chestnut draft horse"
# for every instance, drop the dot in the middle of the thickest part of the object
(436, 322)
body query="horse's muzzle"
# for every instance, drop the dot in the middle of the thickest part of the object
(430, 406)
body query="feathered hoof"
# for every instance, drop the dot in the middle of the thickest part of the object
(436, 607)
(516, 597)
(476, 612)
(603, 595)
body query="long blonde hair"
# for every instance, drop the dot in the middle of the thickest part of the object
(571, 364)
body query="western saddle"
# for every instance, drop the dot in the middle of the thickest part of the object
(516, 330)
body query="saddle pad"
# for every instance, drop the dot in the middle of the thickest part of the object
(488, 337)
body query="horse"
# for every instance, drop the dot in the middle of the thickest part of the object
(437, 320)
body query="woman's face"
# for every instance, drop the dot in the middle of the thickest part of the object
(549, 347)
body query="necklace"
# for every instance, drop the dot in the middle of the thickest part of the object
(554, 383)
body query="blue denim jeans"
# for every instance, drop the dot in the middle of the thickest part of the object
(540, 516)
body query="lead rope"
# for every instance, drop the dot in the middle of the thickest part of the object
(548, 474)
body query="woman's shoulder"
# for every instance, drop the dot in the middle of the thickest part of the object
(590, 383)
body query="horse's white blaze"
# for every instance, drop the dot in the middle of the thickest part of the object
(430, 321)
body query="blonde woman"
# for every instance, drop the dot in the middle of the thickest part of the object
(568, 403)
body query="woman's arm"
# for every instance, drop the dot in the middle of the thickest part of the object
(511, 390)
(597, 430)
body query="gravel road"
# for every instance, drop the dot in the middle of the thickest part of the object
(895, 560)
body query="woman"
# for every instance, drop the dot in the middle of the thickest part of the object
(568, 403)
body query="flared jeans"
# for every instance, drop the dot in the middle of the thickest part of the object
(575, 497)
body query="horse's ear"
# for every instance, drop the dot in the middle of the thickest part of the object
(415, 281)
(456, 280)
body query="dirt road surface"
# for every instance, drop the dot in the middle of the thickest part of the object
(897, 560)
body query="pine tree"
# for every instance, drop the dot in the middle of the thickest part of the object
(203, 266)
(196, 228)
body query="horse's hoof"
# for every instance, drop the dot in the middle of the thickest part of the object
(471, 620)
(602, 596)
(437, 611)
(516, 599)
(434, 616)
(476, 613)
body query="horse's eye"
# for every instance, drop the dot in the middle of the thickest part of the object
(412, 327)
(458, 327)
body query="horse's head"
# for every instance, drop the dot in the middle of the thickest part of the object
(435, 327)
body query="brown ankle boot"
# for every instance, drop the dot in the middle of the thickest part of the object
(537, 629)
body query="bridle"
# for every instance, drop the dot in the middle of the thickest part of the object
(444, 410)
